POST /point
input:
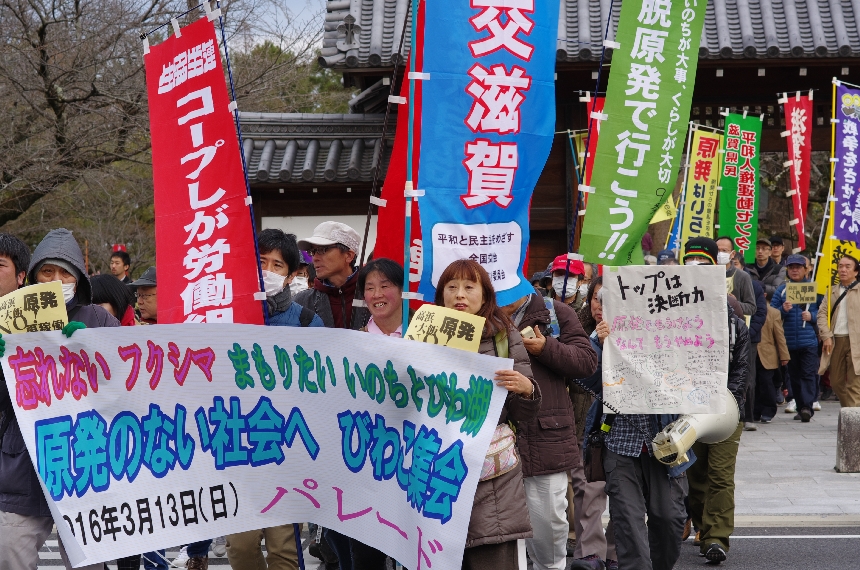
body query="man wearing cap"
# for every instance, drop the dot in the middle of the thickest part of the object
(666, 257)
(798, 322)
(841, 333)
(577, 276)
(777, 248)
(712, 476)
(333, 249)
(742, 288)
(765, 270)
(147, 300)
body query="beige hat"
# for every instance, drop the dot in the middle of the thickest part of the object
(331, 233)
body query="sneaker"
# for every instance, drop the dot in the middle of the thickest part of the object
(219, 547)
(592, 562)
(766, 420)
(749, 426)
(797, 416)
(611, 564)
(816, 407)
(571, 547)
(780, 397)
(688, 527)
(198, 563)
(181, 559)
(791, 407)
(715, 554)
(805, 415)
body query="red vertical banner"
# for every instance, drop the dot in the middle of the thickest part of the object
(206, 256)
(798, 125)
(391, 220)
(595, 106)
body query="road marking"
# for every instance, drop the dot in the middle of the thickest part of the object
(734, 536)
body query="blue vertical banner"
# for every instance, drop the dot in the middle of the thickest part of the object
(845, 185)
(487, 124)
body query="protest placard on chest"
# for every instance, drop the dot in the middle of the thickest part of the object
(148, 437)
(667, 352)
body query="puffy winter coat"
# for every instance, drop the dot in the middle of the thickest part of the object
(499, 510)
(547, 444)
(796, 335)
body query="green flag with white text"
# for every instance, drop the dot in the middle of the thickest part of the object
(739, 183)
(646, 113)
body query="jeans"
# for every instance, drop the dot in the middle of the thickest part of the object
(802, 369)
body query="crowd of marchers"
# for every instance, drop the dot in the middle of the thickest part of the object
(546, 498)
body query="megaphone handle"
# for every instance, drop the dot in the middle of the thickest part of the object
(600, 399)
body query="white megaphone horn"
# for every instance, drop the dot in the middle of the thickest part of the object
(671, 445)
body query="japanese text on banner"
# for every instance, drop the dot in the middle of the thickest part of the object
(145, 437)
(740, 184)
(490, 128)
(667, 352)
(798, 122)
(847, 216)
(702, 180)
(647, 104)
(204, 239)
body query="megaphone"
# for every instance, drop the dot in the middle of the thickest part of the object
(671, 445)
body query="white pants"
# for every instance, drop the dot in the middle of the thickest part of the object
(21, 537)
(546, 496)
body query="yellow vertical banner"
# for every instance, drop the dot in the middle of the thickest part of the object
(833, 251)
(700, 194)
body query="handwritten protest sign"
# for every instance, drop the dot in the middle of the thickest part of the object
(800, 293)
(667, 351)
(34, 308)
(148, 437)
(447, 327)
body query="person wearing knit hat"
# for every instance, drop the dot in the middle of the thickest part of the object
(701, 251)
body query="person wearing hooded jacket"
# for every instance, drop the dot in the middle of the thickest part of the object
(57, 258)
(558, 350)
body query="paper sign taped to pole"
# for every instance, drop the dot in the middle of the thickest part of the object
(667, 352)
(800, 293)
(34, 308)
(446, 327)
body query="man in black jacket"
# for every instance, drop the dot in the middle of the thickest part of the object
(765, 270)
(712, 476)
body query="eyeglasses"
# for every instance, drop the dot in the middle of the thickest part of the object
(321, 250)
(139, 296)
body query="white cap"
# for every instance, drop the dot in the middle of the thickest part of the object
(331, 233)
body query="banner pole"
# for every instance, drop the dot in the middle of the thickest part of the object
(408, 190)
(830, 204)
(682, 196)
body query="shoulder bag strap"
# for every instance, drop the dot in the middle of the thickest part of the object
(842, 296)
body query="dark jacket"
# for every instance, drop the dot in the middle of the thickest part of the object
(771, 276)
(499, 510)
(20, 492)
(284, 312)
(796, 335)
(758, 318)
(547, 444)
(738, 361)
(325, 300)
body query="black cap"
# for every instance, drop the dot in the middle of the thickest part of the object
(701, 247)
(147, 279)
(776, 239)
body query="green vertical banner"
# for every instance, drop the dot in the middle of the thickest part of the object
(644, 123)
(739, 182)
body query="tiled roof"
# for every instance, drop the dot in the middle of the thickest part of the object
(305, 148)
(365, 33)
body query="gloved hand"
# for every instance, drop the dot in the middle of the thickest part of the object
(70, 328)
(2, 346)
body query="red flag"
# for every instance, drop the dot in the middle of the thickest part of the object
(206, 256)
(389, 232)
(597, 105)
(798, 123)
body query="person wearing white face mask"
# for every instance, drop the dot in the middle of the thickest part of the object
(742, 288)
(570, 280)
(279, 260)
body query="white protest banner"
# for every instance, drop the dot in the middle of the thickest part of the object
(149, 437)
(667, 352)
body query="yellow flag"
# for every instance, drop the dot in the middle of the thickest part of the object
(665, 212)
(446, 327)
(701, 191)
(833, 251)
(34, 308)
